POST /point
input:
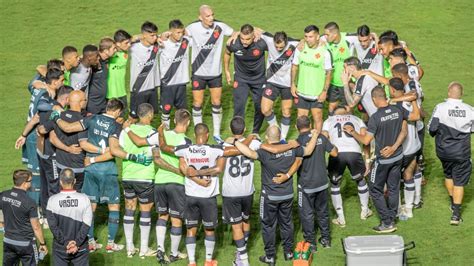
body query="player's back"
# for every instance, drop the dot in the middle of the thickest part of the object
(344, 142)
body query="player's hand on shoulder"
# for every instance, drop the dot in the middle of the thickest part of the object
(294, 143)
(300, 45)
(232, 38)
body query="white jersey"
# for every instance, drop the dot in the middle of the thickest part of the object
(279, 63)
(238, 174)
(414, 85)
(80, 78)
(413, 72)
(370, 58)
(174, 62)
(207, 47)
(344, 142)
(139, 59)
(201, 157)
(363, 88)
(412, 143)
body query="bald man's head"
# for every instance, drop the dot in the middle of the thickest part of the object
(273, 134)
(77, 100)
(206, 15)
(455, 90)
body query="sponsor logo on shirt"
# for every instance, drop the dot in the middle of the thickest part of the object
(393, 116)
(13, 202)
(201, 150)
(456, 113)
(68, 203)
(177, 59)
(209, 46)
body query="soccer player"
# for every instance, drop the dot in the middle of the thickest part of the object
(169, 186)
(69, 216)
(411, 146)
(174, 69)
(41, 100)
(96, 100)
(21, 223)
(281, 50)
(311, 75)
(388, 127)
(71, 60)
(338, 43)
(397, 56)
(349, 156)
(207, 37)
(118, 70)
(249, 66)
(365, 49)
(144, 71)
(276, 201)
(81, 75)
(452, 124)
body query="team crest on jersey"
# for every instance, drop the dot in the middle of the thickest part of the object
(373, 50)
(125, 55)
(216, 34)
(268, 92)
(289, 52)
(155, 49)
(167, 107)
(196, 84)
(184, 45)
(256, 52)
(342, 50)
(318, 55)
(236, 84)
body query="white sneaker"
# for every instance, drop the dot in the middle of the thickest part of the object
(366, 213)
(112, 247)
(131, 252)
(93, 246)
(148, 253)
(340, 222)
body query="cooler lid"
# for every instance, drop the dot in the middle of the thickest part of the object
(367, 244)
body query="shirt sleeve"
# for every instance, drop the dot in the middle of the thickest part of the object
(296, 57)
(328, 60)
(218, 150)
(352, 38)
(299, 151)
(267, 38)
(82, 135)
(152, 139)
(85, 121)
(372, 126)
(361, 123)
(226, 29)
(262, 155)
(255, 145)
(326, 125)
(116, 132)
(405, 112)
(359, 87)
(180, 150)
(32, 209)
(327, 144)
(189, 31)
(433, 124)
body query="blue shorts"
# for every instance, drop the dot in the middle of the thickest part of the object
(101, 183)
(29, 155)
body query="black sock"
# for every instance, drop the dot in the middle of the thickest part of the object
(457, 209)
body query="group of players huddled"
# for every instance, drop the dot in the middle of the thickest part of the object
(77, 126)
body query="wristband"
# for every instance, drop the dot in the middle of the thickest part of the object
(235, 139)
(23, 135)
(127, 129)
(43, 244)
(92, 160)
(99, 151)
(287, 175)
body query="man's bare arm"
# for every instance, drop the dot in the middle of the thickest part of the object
(213, 171)
(246, 150)
(70, 127)
(162, 163)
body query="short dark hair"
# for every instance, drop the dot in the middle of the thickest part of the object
(400, 68)
(389, 35)
(311, 28)
(246, 29)
(176, 24)
(144, 109)
(182, 116)
(68, 50)
(53, 74)
(303, 122)
(90, 48)
(353, 61)
(399, 52)
(397, 84)
(121, 35)
(378, 92)
(280, 37)
(67, 176)
(54, 64)
(331, 26)
(201, 129)
(237, 125)
(106, 43)
(20, 176)
(63, 90)
(114, 104)
(363, 31)
(149, 27)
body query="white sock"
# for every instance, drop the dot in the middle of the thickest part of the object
(217, 119)
(191, 248)
(363, 191)
(418, 179)
(197, 115)
(209, 242)
(145, 222)
(176, 233)
(128, 224)
(285, 126)
(160, 234)
(337, 201)
(165, 119)
(271, 119)
(409, 193)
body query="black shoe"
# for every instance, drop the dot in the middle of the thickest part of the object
(161, 258)
(267, 260)
(455, 219)
(419, 205)
(288, 256)
(313, 248)
(325, 242)
(383, 228)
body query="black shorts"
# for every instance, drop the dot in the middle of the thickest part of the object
(173, 96)
(236, 209)
(197, 209)
(352, 160)
(335, 94)
(137, 98)
(13, 254)
(407, 159)
(302, 103)
(170, 199)
(459, 172)
(200, 83)
(272, 92)
(141, 190)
